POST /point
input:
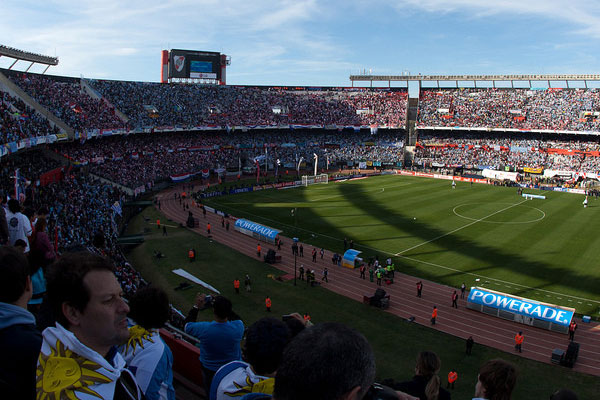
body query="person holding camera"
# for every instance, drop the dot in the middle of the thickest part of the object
(220, 339)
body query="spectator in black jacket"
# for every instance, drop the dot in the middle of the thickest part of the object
(20, 341)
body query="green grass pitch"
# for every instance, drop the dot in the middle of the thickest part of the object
(540, 249)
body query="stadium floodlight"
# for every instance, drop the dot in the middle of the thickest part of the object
(316, 157)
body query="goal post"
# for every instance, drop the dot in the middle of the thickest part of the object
(314, 179)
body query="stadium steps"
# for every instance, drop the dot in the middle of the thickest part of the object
(96, 95)
(15, 90)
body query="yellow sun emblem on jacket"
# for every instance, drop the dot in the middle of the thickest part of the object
(137, 335)
(62, 373)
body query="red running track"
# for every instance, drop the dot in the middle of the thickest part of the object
(461, 322)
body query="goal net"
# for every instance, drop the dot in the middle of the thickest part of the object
(313, 179)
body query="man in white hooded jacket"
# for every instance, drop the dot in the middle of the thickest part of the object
(79, 358)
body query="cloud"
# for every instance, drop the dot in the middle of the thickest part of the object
(582, 14)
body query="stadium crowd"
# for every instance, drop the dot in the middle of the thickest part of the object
(144, 159)
(68, 101)
(17, 121)
(551, 109)
(497, 151)
(154, 104)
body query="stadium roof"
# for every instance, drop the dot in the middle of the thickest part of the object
(555, 77)
(21, 55)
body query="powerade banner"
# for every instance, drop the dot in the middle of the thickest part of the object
(262, 230)
(529, 308)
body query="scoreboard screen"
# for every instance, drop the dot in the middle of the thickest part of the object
(194, 64)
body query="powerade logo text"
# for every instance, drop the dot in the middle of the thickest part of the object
(254, 227)
(521, 306)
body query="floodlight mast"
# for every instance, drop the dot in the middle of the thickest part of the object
(316, 157)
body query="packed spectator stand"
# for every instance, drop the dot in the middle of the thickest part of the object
(554, 109)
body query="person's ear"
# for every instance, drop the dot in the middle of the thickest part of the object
(72, 314)
(352, 395)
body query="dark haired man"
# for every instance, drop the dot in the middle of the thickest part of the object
(86, 300)
(308, 370)
(220, 339)
(265, 341)
(146, 354)
(20, 341)
(496, 380)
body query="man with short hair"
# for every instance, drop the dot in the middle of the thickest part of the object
(496, 380)
(308, 370)
(220, 339)
(146, 354)
(91, 315)
(265, 341)
(20, 341)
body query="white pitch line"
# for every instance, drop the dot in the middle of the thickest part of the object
(419, 261)
(458, 229)
(538, 291)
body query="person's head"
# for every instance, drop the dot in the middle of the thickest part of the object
(20, 245)
(428, 365)
(149, 307)
(564, 394)
(85, 296)
(497, 379)
(326, 361)
(14, 206)
(295, 326)
(265, 341)
(98, 240)
(41, 224)
(222, 307)
(15, 281)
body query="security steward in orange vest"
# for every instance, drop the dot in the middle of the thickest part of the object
(268, 303)
(572, 329)
(236, 285)
(258, 250)
(452, 377)
(192, 255)
(433, 315)
(158, 223)
(519, 338)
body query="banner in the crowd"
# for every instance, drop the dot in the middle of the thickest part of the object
(531, 170)
(519, 305)
(180, 177)
(493, 174)
(362, 165)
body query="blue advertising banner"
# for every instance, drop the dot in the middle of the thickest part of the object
(529, 308)
(262, 230)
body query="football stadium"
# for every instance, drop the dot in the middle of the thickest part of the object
(455, 224)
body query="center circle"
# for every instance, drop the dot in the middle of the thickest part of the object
(500, 208)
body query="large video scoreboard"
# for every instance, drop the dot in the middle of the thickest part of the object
(192, 64)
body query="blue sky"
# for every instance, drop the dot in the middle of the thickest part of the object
(307, 42)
